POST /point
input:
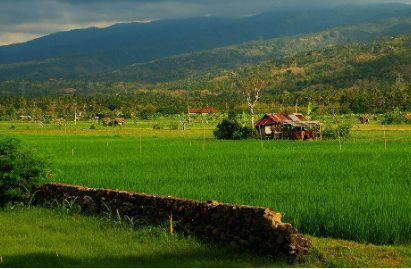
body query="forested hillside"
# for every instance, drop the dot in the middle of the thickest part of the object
(366, 78)
(382, 63)
(232, 57)
(84, 52)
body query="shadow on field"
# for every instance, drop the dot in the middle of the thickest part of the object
(194, 259)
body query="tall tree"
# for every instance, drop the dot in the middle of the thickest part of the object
(250, 87)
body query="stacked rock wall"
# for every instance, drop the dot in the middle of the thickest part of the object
(244, 227)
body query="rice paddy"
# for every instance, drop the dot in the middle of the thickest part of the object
(360, 193)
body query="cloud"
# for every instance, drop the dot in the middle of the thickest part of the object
(19, 18)
(9, 38)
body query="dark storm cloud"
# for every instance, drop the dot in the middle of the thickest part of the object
(21, 20)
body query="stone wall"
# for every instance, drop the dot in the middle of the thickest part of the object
(242, 227)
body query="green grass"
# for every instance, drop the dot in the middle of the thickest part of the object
(38, 237)
(361, 193)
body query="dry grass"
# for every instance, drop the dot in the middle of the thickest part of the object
(369, 127)
(341, 253)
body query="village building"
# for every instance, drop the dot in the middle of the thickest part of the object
(288, 126)
(203, 111)
(119, 121)
(115, 121)
(25, 117)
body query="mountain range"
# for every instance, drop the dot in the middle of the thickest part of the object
(169, 50)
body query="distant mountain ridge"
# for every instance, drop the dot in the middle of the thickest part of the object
(253, 52)
(379, 66)
(94, 50)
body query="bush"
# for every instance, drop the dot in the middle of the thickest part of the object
(231, 129)
(157, 126)
(331, 132)
(396, 117)
(173, 126)
(20, 171)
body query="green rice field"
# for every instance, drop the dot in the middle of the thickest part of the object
(361, 192)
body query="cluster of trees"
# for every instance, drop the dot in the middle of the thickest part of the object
(148, 105)
(380, 64)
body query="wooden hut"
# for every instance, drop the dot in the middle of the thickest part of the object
(288, 126)
(119, 121)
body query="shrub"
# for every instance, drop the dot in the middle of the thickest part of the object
(231, 129)
(396, 117)
(173, 126)
(157, 126)
(331, 132)
(20, 171)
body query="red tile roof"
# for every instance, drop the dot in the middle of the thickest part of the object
(195, 111)
(209, 110)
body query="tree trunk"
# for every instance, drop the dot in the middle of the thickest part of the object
(252, 117)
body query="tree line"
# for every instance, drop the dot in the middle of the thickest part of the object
(362, 100)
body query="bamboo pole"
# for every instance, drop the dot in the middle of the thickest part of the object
(385, 138)
(203, 137)
(261, 138)
(171, 223)
(75, 113)
(321, 133)
(338, 134)
(301, 132)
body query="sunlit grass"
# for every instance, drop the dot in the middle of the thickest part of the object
(361, 193)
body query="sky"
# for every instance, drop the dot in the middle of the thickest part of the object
(23, 20)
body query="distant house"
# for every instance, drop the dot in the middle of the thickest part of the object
(119, 121)
(288, 126)
(53, 80)
(25, 117)
(270, 122)
(68, 91)
(203, 111)
(94, 119)
(115, 121)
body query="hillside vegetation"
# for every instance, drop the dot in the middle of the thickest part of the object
(209, 62)
(90, 51)
(384, 62)
(366, 78)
